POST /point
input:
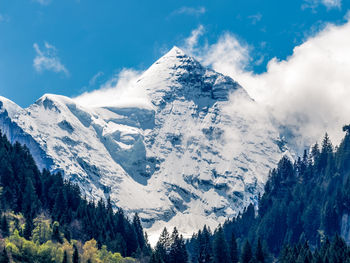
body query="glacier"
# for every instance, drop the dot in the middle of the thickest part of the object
(197, 152)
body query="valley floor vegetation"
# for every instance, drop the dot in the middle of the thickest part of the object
(301, 217)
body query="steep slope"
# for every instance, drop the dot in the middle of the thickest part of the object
(196, 153)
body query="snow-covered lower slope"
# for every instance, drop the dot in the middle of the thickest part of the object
(195, 154)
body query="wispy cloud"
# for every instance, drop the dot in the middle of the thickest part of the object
(228, 55)
(121, 91)
(95, 78)
(192, 41)
(307, 93)
(47, 59)
(43, 2)
(332, 3)
(313, 4)
(194, 11)
(255, 18)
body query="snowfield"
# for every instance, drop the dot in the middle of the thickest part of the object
(196, 153)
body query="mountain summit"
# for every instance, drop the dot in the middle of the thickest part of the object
(183, 76)
(196, 156)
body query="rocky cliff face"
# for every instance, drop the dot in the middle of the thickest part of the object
(197, 153)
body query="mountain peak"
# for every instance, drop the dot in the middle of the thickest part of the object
(176, 57)
(175, 51)
(177, 76)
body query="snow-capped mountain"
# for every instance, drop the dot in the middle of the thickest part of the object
(195, 154)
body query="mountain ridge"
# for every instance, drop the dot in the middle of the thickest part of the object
(195, 153)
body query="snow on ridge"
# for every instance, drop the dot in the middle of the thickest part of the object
(8, 105)
(195, 155)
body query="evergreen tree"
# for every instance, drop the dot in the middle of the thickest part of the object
(56, 235)
(221, 253)
(234, 249)
(28, 228)
(138, 231)
(4, 258)
(75, 258)
(204, 246)
(178, 252)
(163, 246)
(259, 253)
(154, 258)
(28, 191)
(30, 200)
(315, 152)
(4, 226)
(65, 257)
(247, 254)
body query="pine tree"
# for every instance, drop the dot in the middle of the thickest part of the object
(65, 257)
(154, 258)
(315, 154)
(75, 258)
(4, 226)
(247, 254)
(178, 252)
(221, 253)
(4, 258)
(56, 235)
(259, 253)
(28, 228)
(204, 246)
(139, 231)
(234, 249)
(30, 200)
(163, 246)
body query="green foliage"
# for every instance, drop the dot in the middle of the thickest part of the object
(42, 249)
(26, 190)
(42, 231)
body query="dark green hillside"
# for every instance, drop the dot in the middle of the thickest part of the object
(305, 204)
(27, 191)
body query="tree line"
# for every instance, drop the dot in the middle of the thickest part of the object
(27, 191)
(305, 203)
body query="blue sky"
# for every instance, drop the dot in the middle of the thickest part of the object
(72, 46)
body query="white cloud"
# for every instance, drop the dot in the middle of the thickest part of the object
(309, 92)
(228, 56)
(255, 18)
(330, 4)
(47, 59)
(43, 2)
(120, 91)
(192, 41)
(95, 78)
(185, 10)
